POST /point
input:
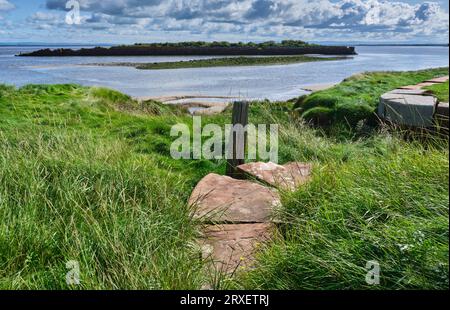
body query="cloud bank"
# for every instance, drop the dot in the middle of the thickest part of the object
(6, 5)
(303, 19)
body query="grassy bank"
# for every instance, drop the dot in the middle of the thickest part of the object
(224, 62)
(440, 91)
(86, 175)
(357, 97)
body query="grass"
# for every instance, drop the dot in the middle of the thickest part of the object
(356, 99)
(379, 199)
(225, 62)
(86, 175)
(440, 91)
(82, 180)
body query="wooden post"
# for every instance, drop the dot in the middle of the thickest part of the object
(238, 139)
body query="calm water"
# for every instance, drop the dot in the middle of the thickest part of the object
(271, 82)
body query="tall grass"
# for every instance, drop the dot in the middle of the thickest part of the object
(74, 197)
(85, 175)
(440, 91)
(377, 198)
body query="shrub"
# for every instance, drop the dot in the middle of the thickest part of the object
(319, 100)
(58, 89)
(319, 116)
(352, 113)
(299, 102)
(109, 95)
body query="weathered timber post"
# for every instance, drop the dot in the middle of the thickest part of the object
(238, 139)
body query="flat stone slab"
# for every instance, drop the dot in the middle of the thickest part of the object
(425, 84)
(411, 87)
(418, 86)
(443, 109)
(232, 246)
(439, 80)
(221, 199)
(410, 110)
(287, 177)
(419, 92)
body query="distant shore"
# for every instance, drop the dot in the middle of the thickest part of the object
(403, 45)
(221, 62)
(200, 49)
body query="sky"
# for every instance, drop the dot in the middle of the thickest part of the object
(132, 21)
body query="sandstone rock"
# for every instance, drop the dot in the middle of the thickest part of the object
(232, 246)
(287, 177)
(221, 199)
(439, 80)
(418, 86)
(408, 92)
(426, 84)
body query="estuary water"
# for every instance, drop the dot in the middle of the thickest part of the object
(260, 82)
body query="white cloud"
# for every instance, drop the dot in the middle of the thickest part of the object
(303, 19)
(5, 25)
(5, 5)
(46, 21)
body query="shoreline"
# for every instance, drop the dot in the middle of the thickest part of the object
(170, 98)
(221, 62)
(187, 50)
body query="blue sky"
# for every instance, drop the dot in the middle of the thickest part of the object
(129, 21)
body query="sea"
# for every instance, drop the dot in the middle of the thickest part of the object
(275, 82)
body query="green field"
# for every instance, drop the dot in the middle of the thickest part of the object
(224, 62)
(86, 175)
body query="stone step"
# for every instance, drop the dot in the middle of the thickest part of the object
(410, 110)
(442, 109)
(418, 92)
(418, 86)
(231, 247)
(411, 87)
(438, 80)
(426, 84)
(221, 199)
(286, 177)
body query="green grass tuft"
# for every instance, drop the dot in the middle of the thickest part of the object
(440, 91)
(381, 200)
